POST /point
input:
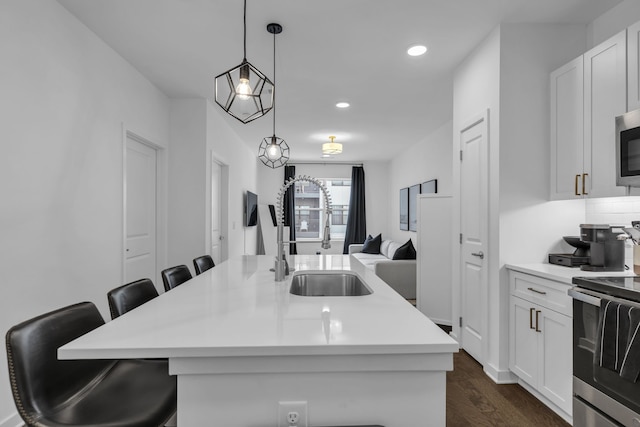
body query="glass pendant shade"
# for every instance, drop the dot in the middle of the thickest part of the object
(331, 147)
(244, 91)
(273, 152)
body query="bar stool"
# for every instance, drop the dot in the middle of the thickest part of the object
(91, 393)
(203, 263)
(127, 297)
(175, 276)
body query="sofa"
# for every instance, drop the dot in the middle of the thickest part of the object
(400, 274)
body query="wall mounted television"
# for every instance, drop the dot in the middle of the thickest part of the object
(251, 209)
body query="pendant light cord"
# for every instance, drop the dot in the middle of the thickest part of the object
(245, 30)
(274, 84)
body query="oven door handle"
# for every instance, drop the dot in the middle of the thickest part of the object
(592, 297)
(584, 297)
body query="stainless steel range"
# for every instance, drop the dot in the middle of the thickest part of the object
(606, 390)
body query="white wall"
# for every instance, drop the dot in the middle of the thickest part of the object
(427, 159)
(187, 182)
(475, 90)
(201, 132)
(240, 158)
(508, 74)
(525, 141)
(65, 97)
(612, 22)
(530, 226)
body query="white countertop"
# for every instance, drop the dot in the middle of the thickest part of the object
(561, 273)
(238, 309)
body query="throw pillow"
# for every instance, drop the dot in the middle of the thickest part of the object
(406, 251)
(372, 244)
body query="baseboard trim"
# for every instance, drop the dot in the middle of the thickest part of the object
(499, 376)
(12, 420)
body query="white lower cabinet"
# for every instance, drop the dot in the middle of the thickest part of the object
(540, 352)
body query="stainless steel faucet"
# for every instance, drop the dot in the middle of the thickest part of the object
(281, 262)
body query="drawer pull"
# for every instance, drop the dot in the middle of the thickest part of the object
(537, 291)
(531, 310)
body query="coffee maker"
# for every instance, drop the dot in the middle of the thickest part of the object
(606, 252)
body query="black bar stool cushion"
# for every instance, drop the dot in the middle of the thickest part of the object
(127, 297)
(175, 276)
(91, 393)
(203, 263)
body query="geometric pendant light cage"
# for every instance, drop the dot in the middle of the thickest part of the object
(274, 151)
(244, 91)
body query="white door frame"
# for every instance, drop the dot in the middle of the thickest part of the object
(457, 253)
(161, 190)
(224, 212)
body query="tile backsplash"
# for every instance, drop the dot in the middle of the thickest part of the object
(614, 211)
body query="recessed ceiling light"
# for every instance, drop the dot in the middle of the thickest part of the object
(342, 105)
(324, 156)
(417, 50)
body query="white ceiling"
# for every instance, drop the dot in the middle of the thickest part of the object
(329, 51)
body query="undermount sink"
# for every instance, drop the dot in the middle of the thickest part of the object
(328, 284)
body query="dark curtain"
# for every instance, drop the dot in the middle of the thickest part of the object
(357, 220)
(289, 208)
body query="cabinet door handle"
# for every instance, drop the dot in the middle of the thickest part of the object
(576, 185)
(531, 310)
(584, 176)
(537, 291)
(538, 321)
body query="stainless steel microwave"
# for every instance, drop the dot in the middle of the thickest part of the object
(628, 149)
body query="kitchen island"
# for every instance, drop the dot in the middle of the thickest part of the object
(240, 343)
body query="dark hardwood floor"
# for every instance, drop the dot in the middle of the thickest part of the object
(473, 399)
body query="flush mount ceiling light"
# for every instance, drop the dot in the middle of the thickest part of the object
(243, 91)
(331, 147)
(274, 151)
(342, 105)
(417, 50)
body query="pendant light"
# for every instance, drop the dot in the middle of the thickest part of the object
(331, 147)
(244, 91)
(274, 151)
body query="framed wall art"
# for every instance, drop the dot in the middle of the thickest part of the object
(414, 190)
(404, 209)
(429, 187)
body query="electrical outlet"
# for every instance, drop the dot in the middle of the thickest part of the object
(293, 418)
(292, 414)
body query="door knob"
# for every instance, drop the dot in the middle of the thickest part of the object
(221, 237)
(478, 254)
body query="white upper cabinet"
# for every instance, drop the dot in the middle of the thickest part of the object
(567, 140)
(633, 70)
(586, 96)
(605, 97)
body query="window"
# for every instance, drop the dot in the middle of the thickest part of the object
(309, 208)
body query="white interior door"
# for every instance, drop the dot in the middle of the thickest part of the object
(140, 211)
(474, 230)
